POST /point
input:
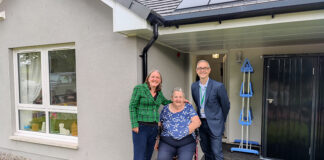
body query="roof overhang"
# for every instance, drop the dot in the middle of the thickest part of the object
(294, 27)
(262, 31)
(254, 10)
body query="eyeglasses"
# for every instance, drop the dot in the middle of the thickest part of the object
(202, 69)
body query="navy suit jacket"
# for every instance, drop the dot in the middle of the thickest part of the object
(216, 107)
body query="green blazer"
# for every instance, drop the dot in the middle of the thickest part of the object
(143, 107)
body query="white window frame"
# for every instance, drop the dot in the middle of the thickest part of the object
(45, 106)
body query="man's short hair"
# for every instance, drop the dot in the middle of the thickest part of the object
(202, 61)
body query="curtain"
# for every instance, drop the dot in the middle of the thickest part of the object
(30, 82)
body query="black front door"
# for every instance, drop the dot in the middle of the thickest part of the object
(289, 107)
(319, 123)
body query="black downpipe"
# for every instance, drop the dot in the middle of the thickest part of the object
(147, 47)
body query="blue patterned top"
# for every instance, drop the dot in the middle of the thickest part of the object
(175, 125)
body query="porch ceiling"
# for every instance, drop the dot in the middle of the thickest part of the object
(266, 35)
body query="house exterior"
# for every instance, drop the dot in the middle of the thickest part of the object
(68, 68)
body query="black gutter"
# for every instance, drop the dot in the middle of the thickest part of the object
(156, 21)
(242, 11)
(254, 10)
(147, 47)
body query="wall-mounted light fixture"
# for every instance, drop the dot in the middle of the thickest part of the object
(216, 55)
(238, 57)
(2, 15)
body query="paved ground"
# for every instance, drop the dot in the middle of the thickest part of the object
(9, 156)
(228, 155)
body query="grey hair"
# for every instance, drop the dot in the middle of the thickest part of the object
(178, 89)
(202, 61)
(154, 70)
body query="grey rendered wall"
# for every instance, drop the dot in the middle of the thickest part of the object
(235, 80)
(173, 67)
(108, 67)
(106, 64)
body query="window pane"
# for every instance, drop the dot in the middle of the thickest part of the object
(63, 123)
(62, 77)
(30, 78)
(32, 121)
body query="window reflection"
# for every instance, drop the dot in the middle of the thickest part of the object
(62, 77)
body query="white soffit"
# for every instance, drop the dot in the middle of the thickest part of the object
(263, 31)
(125, 21)
(246, 22)
(2, 14)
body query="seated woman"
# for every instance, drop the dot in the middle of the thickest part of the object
(179, 121)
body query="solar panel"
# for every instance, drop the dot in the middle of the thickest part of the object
(220, 1)
(192, 3)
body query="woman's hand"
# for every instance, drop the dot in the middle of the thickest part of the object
(186, 101)
(191, 129)
(136, 130)
(156, 146)
(195, 123)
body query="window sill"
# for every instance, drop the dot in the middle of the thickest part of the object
(49, 142)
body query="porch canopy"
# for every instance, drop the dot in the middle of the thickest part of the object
(223, 25)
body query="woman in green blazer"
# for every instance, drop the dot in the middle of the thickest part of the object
(144, 105)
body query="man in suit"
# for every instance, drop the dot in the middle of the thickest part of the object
(213, 106)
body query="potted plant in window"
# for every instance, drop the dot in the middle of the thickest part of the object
(53, 119)
(36, 123)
